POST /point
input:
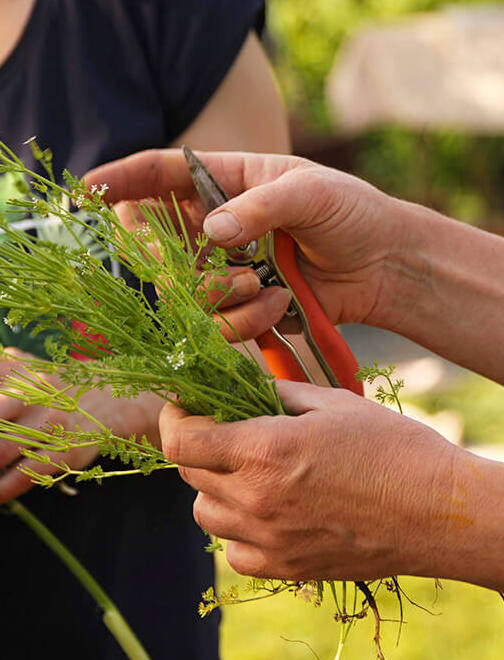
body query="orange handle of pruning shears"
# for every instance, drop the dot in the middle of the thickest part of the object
(279, 359)
(335, 350)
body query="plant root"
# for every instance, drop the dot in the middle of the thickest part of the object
(362, 586)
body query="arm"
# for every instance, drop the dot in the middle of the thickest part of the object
(246, 112)
(446, 289)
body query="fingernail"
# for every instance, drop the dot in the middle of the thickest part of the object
(222, 227)
(280, 300)
(246, 285)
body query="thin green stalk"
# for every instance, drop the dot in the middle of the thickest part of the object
(112, 618)
(396, 398)
(103, 475)
(341, 643)
(261, 597)
(335, 596)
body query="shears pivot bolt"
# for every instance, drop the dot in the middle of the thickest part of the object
(245, 252)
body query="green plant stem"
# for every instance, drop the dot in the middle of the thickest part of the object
(104, 475)
(261, 597)
(112, 618)
(341, 643)
(392, 389)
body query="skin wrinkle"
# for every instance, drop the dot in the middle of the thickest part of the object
(403, 305)
(336, 308)
(397, 260)
(317, 208)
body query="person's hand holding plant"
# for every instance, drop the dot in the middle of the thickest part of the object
(344, 489)
(124, 417)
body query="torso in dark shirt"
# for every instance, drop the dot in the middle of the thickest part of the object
(95, 80)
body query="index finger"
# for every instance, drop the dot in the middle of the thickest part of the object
(159, 172)
(151, 173)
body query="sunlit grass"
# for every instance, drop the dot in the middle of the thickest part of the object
(467, 624)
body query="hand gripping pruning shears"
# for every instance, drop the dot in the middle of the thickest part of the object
(273, 259)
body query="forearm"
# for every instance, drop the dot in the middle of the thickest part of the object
(471, 548)
(446, 289)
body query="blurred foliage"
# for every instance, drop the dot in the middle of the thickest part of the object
(458, 174)
(308, 35)
(476, 400)
(10, 188)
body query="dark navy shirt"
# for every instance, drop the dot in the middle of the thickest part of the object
(96, 80)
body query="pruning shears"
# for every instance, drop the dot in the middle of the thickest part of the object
(273, 259)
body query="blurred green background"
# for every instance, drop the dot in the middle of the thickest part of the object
(464, 623)
(458, 174)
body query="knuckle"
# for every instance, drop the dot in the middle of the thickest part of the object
(260, 505)
(250, 322)
(198, 512)
(172, 442)
(278, 541)
(244, 562)
(8, 453)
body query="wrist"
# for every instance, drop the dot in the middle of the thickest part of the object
(422, 535)
(443, 287)
(473, 533)
(406, 267)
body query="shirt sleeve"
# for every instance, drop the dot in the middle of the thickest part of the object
(199, 42)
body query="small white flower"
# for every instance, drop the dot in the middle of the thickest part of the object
(144, 232)
(176, 360)
(102, 190)
(93, 189)
(79, 201)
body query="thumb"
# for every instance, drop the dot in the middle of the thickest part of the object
(289, 202)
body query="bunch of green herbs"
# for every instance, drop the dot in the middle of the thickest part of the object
(174, 348)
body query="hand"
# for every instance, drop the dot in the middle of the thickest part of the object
(368, 257)
(342, 225)
(124, 417)
(347, 489)
(250, 310)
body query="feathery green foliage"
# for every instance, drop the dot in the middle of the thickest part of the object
(177, 347)
(371, 372)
